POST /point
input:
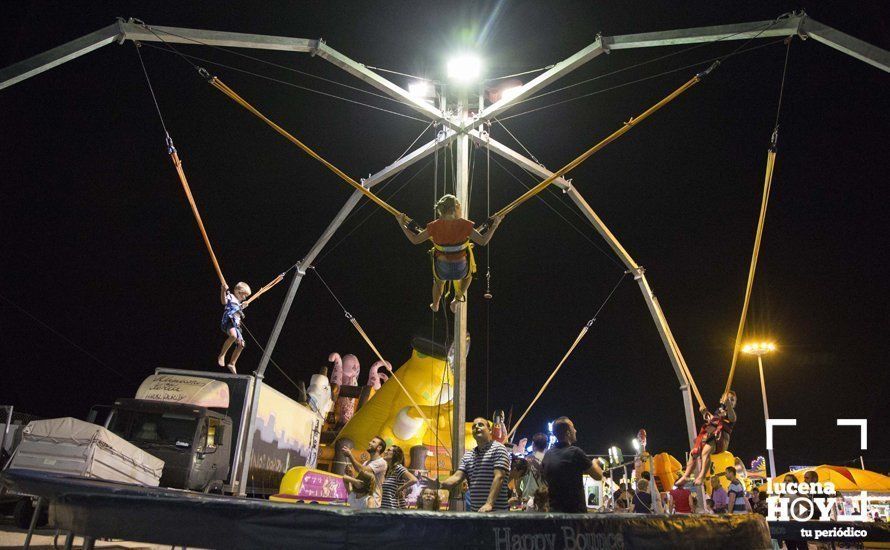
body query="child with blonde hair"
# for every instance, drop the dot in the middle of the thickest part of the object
(231, 323)
(452, 253)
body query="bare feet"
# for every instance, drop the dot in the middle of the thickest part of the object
(221, 360)
(232, 369)
(455, 301)
(435, 306)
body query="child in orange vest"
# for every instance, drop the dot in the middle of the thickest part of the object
(452, 251)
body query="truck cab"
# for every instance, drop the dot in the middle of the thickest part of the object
(194, 442)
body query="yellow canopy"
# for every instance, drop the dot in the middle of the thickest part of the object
(843, 478)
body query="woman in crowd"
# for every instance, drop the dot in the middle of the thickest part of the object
(396, 480)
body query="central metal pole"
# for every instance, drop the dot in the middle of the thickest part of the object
(772, 458)
(461, 190)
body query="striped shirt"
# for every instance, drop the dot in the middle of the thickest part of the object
(740, 505)
(479, 466)
(392, 498)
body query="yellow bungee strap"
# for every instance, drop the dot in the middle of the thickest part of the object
(615, 135)
(219, 85)
(761, 221)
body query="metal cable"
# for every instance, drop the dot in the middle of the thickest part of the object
(643, 79)
(272, 63)
(151, 88)
(649, 61)
(286, 83)
(255, 341)
(555, 211)
(330, 249)
(62, 336)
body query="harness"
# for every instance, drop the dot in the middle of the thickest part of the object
(466, 247)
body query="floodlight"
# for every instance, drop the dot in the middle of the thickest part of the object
(759, 348)
(464, 68)
(636, 443)
(421, 89)
(510, 93)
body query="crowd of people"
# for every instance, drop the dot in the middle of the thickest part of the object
(547, 478)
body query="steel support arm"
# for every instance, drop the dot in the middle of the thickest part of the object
(178, 35)
(542, 172)
(740, 31)
(673, 350)
(365, 74)
(543, 80)
(388, 172)
(61, 54)
(833, 38)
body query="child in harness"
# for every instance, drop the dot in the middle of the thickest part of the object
(452, 253)
(712, 438)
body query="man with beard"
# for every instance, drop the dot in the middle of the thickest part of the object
(375, 462)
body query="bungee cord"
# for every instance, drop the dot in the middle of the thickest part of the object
(761, 221)
(177, 164)
(626, 127)
(578, 339)
(373, 347)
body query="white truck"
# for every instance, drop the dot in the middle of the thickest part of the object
(203, 426)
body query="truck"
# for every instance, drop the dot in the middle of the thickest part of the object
(210, 437)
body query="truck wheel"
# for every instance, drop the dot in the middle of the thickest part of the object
(214, 487)
(23, 512)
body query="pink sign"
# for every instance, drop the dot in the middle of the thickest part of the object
(321, 486)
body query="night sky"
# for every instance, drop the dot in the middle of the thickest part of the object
(103, 276)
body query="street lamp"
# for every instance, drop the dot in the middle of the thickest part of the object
(760, 349)
(464, 68)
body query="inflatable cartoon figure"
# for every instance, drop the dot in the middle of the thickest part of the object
(375, 378)
(319, 394)
(346, 405)
(391, 415)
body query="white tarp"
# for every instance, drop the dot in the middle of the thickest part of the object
(74, 447)
(190, 390)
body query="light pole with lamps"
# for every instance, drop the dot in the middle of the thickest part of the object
(760, 349)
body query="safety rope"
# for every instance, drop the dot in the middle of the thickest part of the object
(488, 296)
(767, 184)
(274, 364)
(219, 85)
(578, 338)
(177, 163)
(358, 327)
(615, 135)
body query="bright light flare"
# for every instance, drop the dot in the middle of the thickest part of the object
(636, 443)
(464, 68)
(510, 92)
(759, 348)
(422, 89)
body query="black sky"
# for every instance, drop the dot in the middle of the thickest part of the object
(99, 244)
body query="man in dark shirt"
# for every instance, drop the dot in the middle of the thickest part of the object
(564, 465)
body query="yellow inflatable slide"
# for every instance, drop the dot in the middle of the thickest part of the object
(390, 414)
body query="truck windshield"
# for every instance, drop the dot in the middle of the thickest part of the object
(156, 428)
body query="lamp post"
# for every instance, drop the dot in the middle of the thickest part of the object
(760, 349)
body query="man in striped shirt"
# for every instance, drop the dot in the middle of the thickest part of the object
(485, 468)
